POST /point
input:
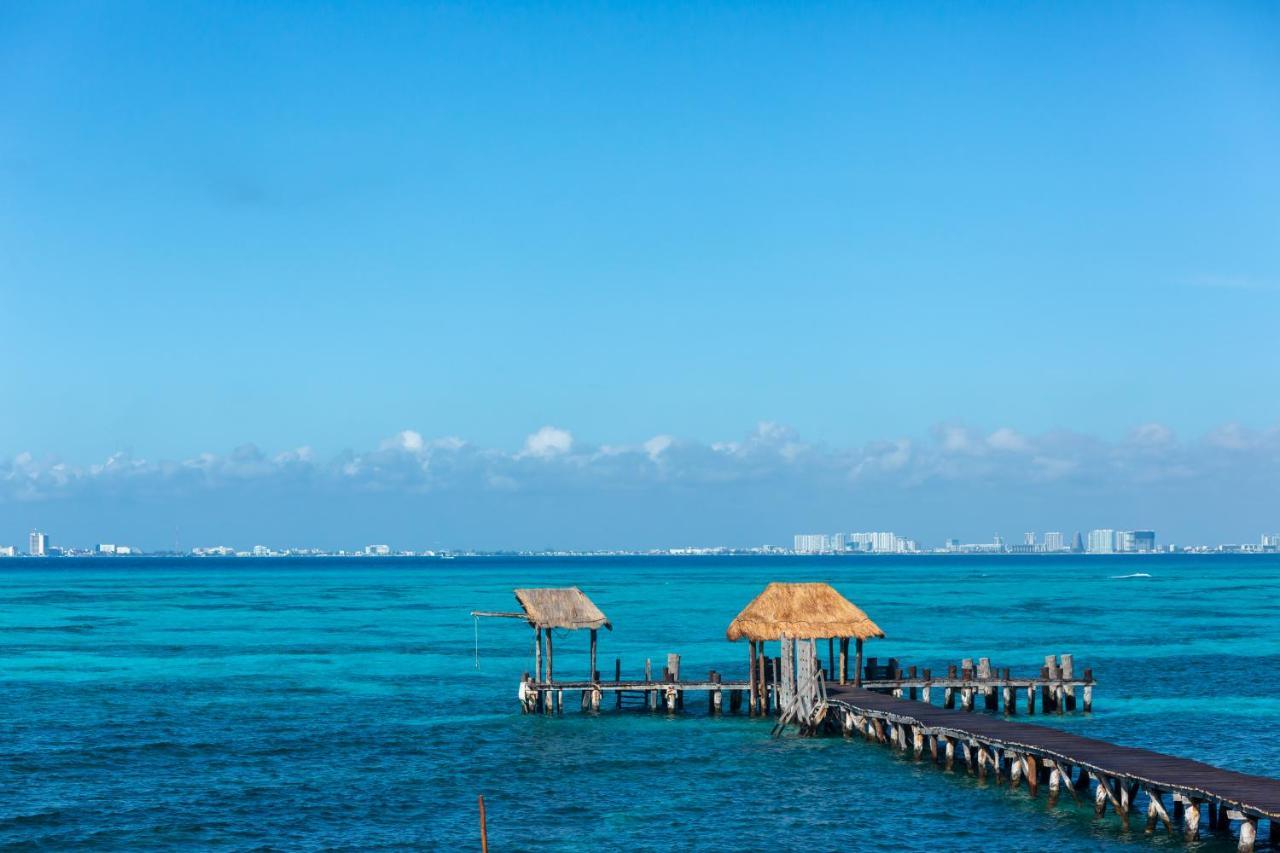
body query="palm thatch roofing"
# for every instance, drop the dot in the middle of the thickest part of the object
(802, 611)
(567, 607)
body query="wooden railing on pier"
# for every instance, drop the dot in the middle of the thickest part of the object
(1056, 688)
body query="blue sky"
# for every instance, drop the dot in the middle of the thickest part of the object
(319, 225)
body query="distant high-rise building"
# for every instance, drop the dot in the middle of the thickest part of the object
(1271, 540)
(7, 551)
(1140, 540)
(1053, 541)
(1077, 543)
(38, 544)
(883, 542)
(1102, 541)
(106, 548)
(998, 541)
(812, 543)
(1028, 539)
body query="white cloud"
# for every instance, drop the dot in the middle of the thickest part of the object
(772, 456)
(548, 442)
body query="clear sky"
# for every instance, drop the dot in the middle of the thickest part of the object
(316, 226)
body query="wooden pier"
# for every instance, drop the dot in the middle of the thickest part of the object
(961, 715)
(1106, 774)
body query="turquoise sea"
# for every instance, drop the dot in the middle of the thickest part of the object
(355, 704)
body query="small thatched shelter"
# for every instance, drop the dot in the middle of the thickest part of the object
(561, 608)
(805, 611)
(565, 608)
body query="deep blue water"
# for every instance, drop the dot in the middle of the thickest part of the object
(240, 704)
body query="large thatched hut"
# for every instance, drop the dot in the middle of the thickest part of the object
(805, 611)
(565, 608)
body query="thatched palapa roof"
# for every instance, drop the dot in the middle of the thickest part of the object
(560, 608)
(802, 611)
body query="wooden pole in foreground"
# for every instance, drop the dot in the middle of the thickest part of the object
(857, 662)
(484, 831)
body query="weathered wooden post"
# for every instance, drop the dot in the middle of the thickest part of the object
(537, 654)
(716, 698)
(988, 691)
(673, 664)
(777, 681)
(751, 680)
(1191, 820)
(928, 683)
(912, 693)
(1248, 834)
(831, 659)
(1068, 675)
(1031, 698)
(551, 693)
(594, 677)
(948, 692)
(617, 679)
(950, 751)
(1088, 691)
(550, 676)
(669, 692)
(1033, 774)
(650, 701)
(844, 660)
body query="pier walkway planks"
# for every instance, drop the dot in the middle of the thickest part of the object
(1255, 795)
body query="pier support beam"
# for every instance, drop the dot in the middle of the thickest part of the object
(857, 662)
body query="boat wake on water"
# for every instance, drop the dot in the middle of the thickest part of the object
(1125, 577)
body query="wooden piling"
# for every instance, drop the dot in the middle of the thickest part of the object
(857, 661)
(484, 829)
(925, 690)
(1191, 820)
(617, 679)
(650, 703)
(1248, 835)
(844, 660)
(715, 698)
(751, 680)
(673, 664)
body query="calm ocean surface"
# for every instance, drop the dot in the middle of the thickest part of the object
(239, 704)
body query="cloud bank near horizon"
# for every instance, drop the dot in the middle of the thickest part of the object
(556, 488)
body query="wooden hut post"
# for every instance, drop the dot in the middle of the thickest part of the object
(857, 662)
(550, 676)
(844, 660)
(751, 680)
(594, 676)
(831, 658)
(537, 653)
